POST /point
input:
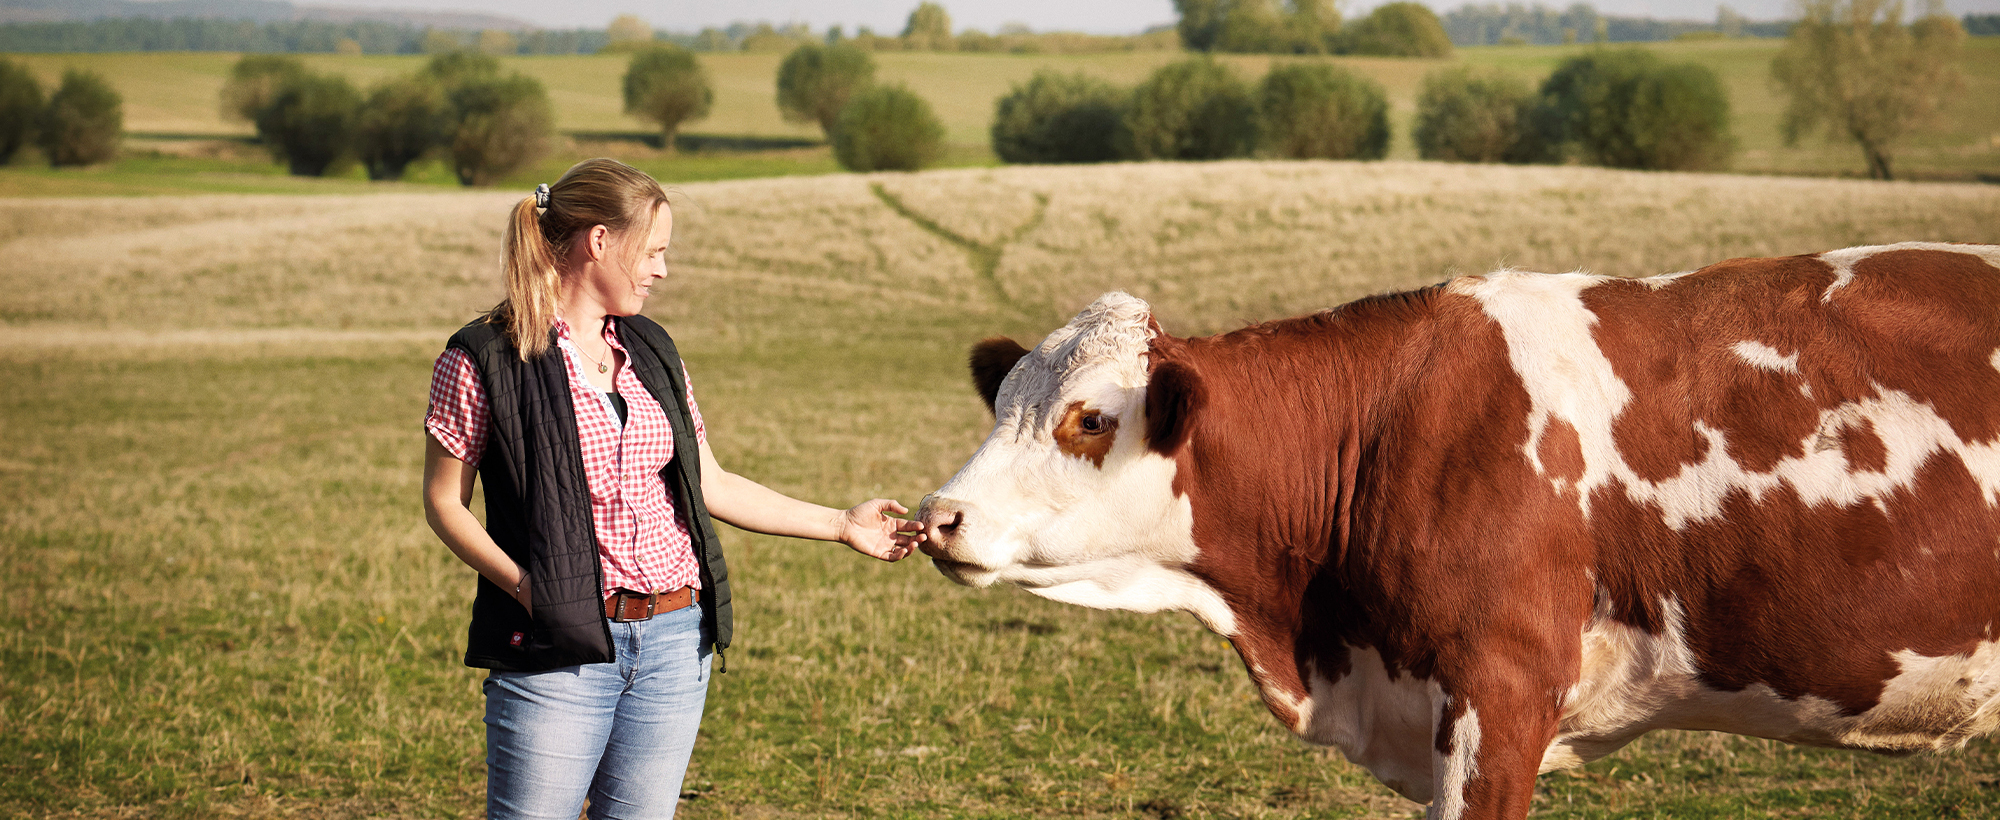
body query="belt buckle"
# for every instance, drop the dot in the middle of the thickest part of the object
(622, 597)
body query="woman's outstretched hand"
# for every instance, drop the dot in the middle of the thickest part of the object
(871, 531)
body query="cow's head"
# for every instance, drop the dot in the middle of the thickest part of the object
(1072, 496)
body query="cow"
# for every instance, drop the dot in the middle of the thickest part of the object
(1508, 523)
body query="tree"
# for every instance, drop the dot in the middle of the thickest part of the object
(887, 128)
(1192, 109)
(1467, 117)
(1853, 69)
(628, 33)
(20, 106)
(1318, 111)
(310, 124)
(1201, 22)
(1627, 109)
(497, 42)
(1059, 118)
(815, 82)
(498, 125)
(455, 67)
(1399, 30)
(929, 28)
(403, 120)
(666, 85)
(253, 84)
(83, 122)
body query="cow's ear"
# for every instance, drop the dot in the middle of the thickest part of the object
(1173, 394)
(992, 359)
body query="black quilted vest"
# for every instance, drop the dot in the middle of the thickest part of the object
(538, 505)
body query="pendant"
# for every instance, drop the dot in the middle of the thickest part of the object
(603, 367)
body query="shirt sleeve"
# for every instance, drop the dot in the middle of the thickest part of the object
(694, 409)
(458, 414)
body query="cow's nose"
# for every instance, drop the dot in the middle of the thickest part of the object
(944, 523)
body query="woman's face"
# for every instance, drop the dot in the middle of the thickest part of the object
(623, 277)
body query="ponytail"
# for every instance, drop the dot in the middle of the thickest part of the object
(534, 283)
(592, 192)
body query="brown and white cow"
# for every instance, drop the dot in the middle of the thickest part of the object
(1505, 525)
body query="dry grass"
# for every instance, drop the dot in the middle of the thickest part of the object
(220, 600)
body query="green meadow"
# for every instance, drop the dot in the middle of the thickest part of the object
(218, 597)
(181, 142)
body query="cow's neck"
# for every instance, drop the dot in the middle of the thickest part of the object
(1273, 471)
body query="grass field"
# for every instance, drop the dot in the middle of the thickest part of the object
(220, 599)
(171, 102)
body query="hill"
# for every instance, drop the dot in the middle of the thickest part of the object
(222, 600)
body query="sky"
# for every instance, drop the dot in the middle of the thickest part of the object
(1094, 16)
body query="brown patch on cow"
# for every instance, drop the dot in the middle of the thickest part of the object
(1926, 318)
(1560, 452)
(1086, 433)
(1864, 450)
(991, 360)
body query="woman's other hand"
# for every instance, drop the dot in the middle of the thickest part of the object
(871, 531)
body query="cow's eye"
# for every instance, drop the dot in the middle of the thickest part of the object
(1094, 423)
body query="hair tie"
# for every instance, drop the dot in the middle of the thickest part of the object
(542, 195)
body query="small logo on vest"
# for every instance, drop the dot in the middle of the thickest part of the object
(517, 640)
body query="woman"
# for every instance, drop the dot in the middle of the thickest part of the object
(602, 590)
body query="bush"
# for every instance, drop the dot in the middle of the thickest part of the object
(816, 81)
(253, 85)
(310, 124)
(83, 121)
(1398, 30)
(667, 86)
(1467, 117)
(454, 67)
(887, 128)
(1059, 118)
(929, 29)
(1192, 109)
(401, 122)
(498, 125)
(20, 107)
(1319, 111)
(1627, 109)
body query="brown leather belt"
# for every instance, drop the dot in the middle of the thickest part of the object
(624, 605)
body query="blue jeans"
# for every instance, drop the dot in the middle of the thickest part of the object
(618, 733)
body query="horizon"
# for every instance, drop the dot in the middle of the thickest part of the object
(888, 16)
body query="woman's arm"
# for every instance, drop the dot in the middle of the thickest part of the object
(746, 504)
(447, 500)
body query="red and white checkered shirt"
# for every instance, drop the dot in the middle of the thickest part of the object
(642, 545)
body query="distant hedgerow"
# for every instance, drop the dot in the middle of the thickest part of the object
(1059, 117)
(1192, 109)
(20, 107)
(1320, 111)
(83, 122)
(1464, 116)
(1628, 109)
(887, 128)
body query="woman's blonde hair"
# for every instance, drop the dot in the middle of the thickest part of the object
(592, 192)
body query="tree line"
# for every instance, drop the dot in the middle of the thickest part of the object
(300, 36)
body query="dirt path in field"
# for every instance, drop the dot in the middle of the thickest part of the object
(984, 257)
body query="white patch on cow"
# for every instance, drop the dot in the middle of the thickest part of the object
(1766, 357)
(1844, 260)
(1569, 379)
(1113, 536)
(1634, 682)
(1549, 343)
(1457, 769)
(1378, 721)
(1995, 361)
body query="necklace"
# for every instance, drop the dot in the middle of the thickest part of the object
(601, 366)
